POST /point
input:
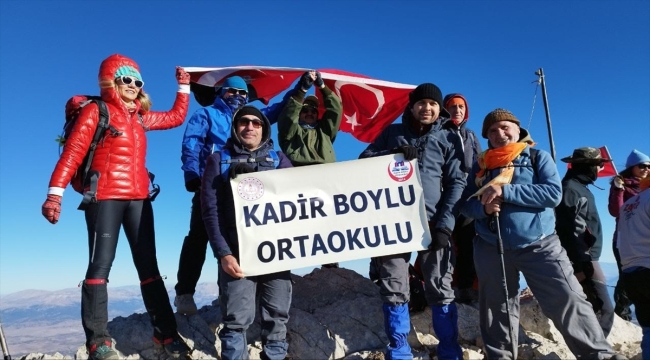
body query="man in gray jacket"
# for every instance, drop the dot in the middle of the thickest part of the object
(438, 152)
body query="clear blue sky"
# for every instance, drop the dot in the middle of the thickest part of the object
(595, 54)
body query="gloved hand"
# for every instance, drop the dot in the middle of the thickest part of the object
(51, 208)
(306, 81)
(439, 239)
(618, 182)
(319, 80)
(409, 151)
(182, 76)
(240, 168)
(193, 185)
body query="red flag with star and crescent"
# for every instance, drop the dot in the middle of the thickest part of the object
(369, 105)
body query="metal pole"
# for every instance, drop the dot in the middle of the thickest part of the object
(505, 283)
(3, 342)
(540, 73)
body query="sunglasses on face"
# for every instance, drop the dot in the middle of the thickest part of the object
(644, 166)
(309, 109)
(127, 80)
(244, 122)
(237, 91)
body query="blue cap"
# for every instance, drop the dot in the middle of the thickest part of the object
(235, 82)
(128, 71)
(635, 158)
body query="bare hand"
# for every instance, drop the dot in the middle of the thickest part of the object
(491, 192)
(492, 208)
(230, 265)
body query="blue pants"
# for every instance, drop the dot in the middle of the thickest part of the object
(237, 302)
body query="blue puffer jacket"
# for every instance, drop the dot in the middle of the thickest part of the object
(207, 132)
(439, 162)
(528, 202)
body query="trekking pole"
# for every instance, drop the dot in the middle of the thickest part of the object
(542, 81)
(505, 280)
(3, 342)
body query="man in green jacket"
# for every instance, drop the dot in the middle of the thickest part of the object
(303, 137)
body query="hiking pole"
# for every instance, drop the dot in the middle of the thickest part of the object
(505, 280)
(3, 342)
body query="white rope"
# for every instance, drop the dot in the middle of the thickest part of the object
(533, 108)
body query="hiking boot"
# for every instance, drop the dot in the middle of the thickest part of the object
(185, 304)
(174, 347)
(102, 352)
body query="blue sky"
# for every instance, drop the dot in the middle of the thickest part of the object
(595, 54)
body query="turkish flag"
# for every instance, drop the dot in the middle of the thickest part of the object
(264, 82)
(609, 169)
(369, 105)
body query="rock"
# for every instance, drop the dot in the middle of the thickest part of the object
(336, 314)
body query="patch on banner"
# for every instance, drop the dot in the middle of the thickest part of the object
(400, 169)
(250, 189)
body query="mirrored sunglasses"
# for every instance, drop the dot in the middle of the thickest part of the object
(244, 122)
(127, 80)
(235, 91)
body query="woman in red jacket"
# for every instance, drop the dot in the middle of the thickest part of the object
(624, 186)
(121, 199)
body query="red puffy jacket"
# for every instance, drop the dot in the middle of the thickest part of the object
(120, 159)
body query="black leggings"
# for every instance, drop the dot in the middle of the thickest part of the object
(104, 219)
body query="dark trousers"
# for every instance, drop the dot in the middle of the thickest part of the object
(636, 285)
(104, 220)
(621, 300)
(193, 251)
(463, 236)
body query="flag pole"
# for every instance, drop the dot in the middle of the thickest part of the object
(541, 80)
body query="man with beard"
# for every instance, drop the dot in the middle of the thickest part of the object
(438, 155)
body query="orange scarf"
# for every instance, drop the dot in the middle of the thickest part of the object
(496, 158)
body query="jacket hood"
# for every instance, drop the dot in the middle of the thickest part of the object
(266, 127)
(107, 71)
(456, 95)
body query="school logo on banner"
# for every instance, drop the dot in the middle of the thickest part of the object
(400, 170)
(250, 189)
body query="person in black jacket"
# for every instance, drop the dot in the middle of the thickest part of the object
(251, 142)
(580, 231)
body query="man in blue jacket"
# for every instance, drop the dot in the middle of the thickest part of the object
(522, 185)
(438, 152)
(251, 143)
(206, 132)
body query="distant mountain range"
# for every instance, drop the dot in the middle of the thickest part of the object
(39, 321)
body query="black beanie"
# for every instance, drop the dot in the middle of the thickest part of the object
(428, 91)
(248, 110)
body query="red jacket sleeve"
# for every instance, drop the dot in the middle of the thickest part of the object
(162, 120)
(76, 146)
(615, 200)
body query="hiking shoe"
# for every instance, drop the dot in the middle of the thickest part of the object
(175, 348)
(185, 304)
(102, 352)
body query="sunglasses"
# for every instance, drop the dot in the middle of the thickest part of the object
(309, 109)
(644, 166)
(244, 122)
(127, 80)
(237, 91)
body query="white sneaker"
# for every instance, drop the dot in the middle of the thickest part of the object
(185, 304)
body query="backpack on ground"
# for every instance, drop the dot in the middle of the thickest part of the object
(226, 160)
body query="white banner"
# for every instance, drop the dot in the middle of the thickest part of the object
(320, 214)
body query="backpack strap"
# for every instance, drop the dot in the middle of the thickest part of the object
(534, 153)
(92, 178)
(226, 160)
